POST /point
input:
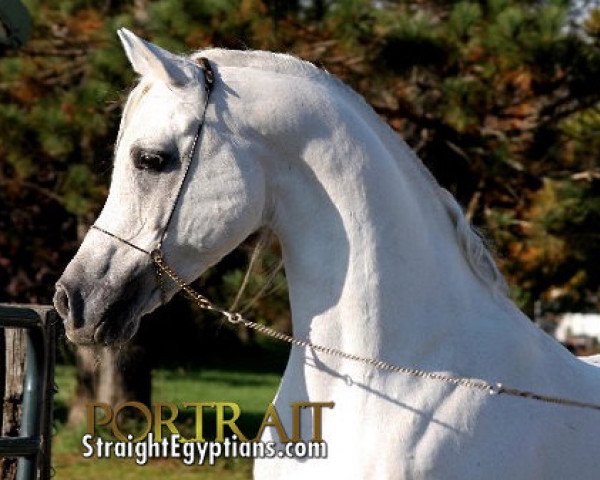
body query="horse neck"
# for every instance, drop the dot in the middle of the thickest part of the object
(371, 255)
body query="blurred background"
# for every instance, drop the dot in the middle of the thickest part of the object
(500, 98)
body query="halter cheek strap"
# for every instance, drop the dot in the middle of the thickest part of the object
(208, 85)
(157, 255)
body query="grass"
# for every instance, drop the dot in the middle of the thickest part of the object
(72, 466)
(250, 390)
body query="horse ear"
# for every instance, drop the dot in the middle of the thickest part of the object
(148, 59)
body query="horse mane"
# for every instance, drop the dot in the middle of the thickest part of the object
(469, 239)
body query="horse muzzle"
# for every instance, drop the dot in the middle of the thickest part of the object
(96, 318)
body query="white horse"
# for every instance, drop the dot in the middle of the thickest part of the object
(379, 259)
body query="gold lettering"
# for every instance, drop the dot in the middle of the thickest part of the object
(221, 422)
(91, 416)
(159, 421)
(271, 419)
(143, 409)
(199, 410)
(296, 434)
(318, 419)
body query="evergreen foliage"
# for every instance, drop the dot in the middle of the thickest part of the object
(499, 98)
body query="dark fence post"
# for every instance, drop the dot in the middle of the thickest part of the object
(32, 445)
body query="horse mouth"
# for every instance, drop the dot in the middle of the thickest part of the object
(119, 322)
(99, 336)
(114, 331)
(109, 331)
(116, 325)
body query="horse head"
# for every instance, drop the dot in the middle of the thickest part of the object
(176, 165)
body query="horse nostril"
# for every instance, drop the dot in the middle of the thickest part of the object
(61, 301)
(69, 304)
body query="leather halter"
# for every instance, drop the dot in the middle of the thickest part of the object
(157, 253)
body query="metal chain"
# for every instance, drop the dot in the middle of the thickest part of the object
(158, 273)
(236, 318)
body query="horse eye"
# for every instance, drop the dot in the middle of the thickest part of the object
(149, 160)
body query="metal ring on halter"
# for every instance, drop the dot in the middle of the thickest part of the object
(156, 255)
(232, 317)
(496, 389)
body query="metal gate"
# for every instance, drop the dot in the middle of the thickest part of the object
(32, 446)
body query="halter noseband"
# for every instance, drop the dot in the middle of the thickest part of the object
(156, 255)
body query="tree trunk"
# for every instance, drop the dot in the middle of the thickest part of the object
(125, 375)
(85, 390)
(110, 375)
(13, 393)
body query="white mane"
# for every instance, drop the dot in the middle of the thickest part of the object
(469, 239)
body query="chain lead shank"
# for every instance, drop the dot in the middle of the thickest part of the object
(237, 318)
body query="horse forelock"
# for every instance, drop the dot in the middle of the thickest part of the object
(133, 100)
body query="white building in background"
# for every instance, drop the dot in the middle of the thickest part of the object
(577, 324)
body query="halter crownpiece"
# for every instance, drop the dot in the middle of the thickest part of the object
(163, 268)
